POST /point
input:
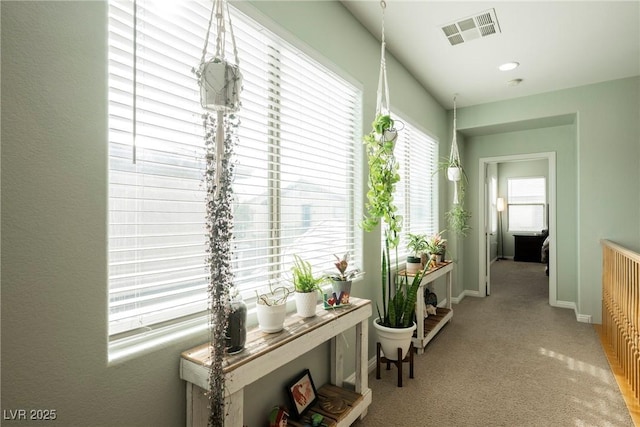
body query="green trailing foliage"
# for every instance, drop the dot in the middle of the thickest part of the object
(398, 297)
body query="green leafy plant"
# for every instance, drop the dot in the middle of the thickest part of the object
(303, 279)
(398, 297)
(417, 243)
(342, 264)
(458, 219)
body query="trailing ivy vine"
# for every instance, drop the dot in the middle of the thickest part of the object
(219, 224)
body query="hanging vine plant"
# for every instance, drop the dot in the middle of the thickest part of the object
(457, 217)
(220, 84)
(219, 198)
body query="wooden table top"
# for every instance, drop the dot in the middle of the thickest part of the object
(432, 270)
(259, 343)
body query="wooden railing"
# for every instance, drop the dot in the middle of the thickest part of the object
(621, 310)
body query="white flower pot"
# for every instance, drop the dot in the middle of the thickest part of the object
(413, 267)
(220, 85)
(306, 303)
(390, 135)
(393, 338)
(454, 174)
(271, 317)
(342, 289)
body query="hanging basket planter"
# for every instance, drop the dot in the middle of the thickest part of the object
(220, 80)
(220, 84)
(454, 173)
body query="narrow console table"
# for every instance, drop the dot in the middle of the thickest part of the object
(265, 353)
(429, 327)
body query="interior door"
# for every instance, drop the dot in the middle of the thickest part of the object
(490, 220)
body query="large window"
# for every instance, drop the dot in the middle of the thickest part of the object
(527, 201)
(295, 162)
(416, 194)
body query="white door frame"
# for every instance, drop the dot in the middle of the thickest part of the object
(482, 209)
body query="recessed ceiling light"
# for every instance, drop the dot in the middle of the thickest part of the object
(509, 66)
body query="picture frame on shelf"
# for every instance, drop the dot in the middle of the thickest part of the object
(302, 393)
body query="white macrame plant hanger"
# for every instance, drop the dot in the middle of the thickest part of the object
(220, 84)
(220, 80)
(383, 104)
(454, 171)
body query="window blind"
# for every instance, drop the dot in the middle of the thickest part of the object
(527, 201)
(295, 162)
(416, 194)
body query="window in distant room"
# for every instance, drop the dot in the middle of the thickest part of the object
(527, 201)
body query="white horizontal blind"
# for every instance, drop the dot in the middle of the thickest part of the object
(526, 204)
(294, 183)
(416, 194)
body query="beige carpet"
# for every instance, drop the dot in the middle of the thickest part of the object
(506, 360)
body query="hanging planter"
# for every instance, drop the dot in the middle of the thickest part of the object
(457, 217)
(220, 84)
(220, 80)
(398, 296)
(454, 173)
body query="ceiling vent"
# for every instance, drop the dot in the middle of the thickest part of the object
(482, 24)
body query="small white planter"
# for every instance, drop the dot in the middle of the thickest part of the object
(390, 135)
(454, 174)
(306, 303)
(413, 267)
(393, 338)
(220, 85)
(271, 317)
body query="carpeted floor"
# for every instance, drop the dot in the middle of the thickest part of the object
(506, 360)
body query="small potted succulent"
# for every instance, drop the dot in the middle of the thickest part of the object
(306, 286)
(271, 308)
(341, 282)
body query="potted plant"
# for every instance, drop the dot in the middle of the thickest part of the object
(341, 282)
(271, 308)
(306, 286)
(436, 245)
(417, 245)
(395, 324)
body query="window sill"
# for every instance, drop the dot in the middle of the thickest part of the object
(130, 347)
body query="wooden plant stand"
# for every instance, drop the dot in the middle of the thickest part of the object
(398, 362)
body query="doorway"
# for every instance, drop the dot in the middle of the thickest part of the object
(486, 204)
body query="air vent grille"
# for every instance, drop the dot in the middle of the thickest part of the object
(462, 30)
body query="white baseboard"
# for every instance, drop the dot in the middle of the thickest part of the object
(371, 366)
(466, 292)
(582, 318)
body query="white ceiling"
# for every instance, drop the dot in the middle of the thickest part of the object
(559, 44)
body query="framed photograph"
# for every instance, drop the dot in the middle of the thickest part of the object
(302, 393)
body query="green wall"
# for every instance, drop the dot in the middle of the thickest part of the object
(54, 212)
(517, 169)
(604, 160)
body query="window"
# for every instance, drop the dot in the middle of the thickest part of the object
(416, 194)
(526, 198)
(295, 163)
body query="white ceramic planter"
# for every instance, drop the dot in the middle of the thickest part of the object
(454, 174)
(342, 288)
(220, 85)
(306, 303)
(413, 267)
(390, 135)
(393, 338)
(271, 317)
